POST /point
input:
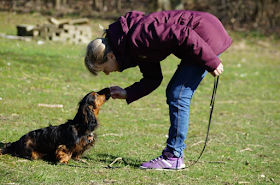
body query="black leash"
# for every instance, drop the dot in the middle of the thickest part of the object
(216, 80)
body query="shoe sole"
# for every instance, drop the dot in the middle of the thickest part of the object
(164, 169)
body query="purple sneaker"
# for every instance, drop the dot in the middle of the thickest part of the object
(164, 163)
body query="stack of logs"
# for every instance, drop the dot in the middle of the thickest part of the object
(75, 31)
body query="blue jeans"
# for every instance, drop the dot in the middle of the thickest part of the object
(179, 93)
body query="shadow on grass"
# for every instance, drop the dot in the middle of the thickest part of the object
(110, 161)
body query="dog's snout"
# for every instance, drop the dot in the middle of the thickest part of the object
(106, 92)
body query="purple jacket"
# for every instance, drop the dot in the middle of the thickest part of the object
(197, 38)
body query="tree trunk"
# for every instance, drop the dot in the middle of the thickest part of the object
(163, 5)
(98, 5)
(14, 4)
(119, 5)
(57, 4)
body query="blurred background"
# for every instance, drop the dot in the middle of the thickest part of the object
(244, 140)
(259, 16)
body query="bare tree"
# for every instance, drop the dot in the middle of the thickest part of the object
(118, 5)
(57, 4)
(163, 5)
(97, 5)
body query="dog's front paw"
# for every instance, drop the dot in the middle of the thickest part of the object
(77, 158)
(63, 155)
(90, 139)
(64, 161)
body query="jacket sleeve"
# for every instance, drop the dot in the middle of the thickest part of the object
(152, 78)
(163, 35)
(202, 52)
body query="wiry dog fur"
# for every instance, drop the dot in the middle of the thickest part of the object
(66, 141)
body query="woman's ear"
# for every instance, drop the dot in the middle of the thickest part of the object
(111, 56)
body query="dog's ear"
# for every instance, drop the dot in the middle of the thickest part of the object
(91, 99)
(89, 118)
(81, 115)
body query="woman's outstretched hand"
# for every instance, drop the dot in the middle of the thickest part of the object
(218, 70)
(118, 92)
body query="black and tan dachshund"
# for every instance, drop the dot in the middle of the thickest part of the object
(63, 142)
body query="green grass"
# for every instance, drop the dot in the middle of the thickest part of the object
(244, 137)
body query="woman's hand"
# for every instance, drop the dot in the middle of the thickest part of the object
(118, 92)
(218, 70)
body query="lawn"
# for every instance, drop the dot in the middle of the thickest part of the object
(244, 138)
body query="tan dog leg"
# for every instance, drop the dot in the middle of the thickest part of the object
(62, 154)
(35, 155)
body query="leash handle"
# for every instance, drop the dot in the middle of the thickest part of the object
(212, 102)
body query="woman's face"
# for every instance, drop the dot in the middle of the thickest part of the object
(110, 66)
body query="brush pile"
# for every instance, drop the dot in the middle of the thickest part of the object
(76, 31)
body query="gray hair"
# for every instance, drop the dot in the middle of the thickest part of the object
(96, 54)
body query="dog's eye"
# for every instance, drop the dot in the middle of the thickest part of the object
(94, 95)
